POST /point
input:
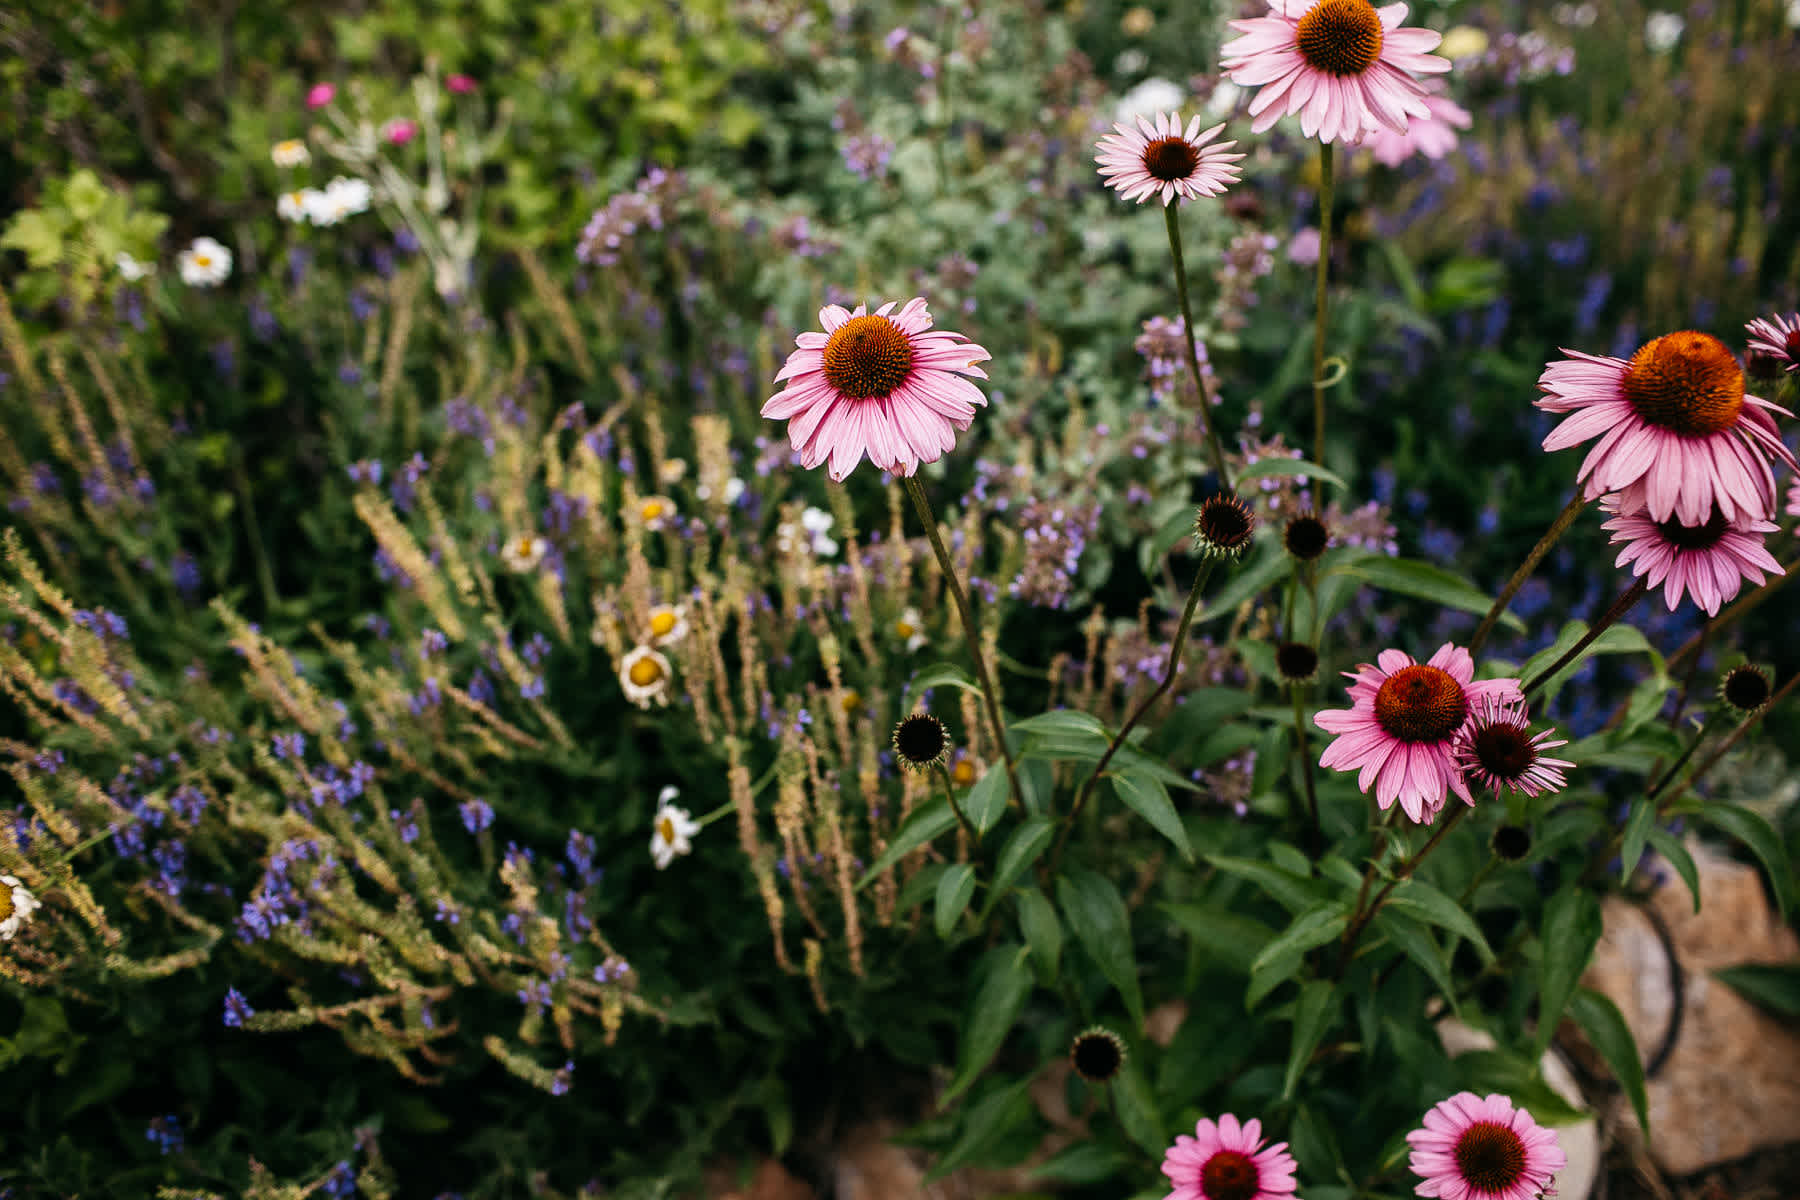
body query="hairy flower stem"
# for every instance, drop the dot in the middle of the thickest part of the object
(1306, 765)
(1162, 688)
(1730, 740)
(1551, 536)
(1172, 218)
(1629, 597)
(1320, 306)
(1360, 920)
(971, 632)
(961, 818)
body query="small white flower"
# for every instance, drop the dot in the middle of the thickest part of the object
(290, 153)
(786, 534)
(656, 512)
(668, 624)
(16, 906)
(1793, 14)
(1223, 101)
(645, 677)
(818, 523)
(671, 830)
(1662, 30)
(130, 269)
(342, 197)
(734, 487)
(523, 552)
(911, 628)
(1148, 98)
(673, 471)
(299, 206)
(206, 263)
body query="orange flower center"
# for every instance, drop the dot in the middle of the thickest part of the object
(644, 672)
(1421, 704)
(868, 357)
(1695, 537)
(1230, 1175)
(963, 773)
(652, 510)
(1340, 37)
(1687, 383)
(665, 829)
(1170, 159)
(1490, 1157)
(203, 260)
(662, 621)
(6, 902)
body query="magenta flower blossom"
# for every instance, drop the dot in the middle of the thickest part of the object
(320, 94)
(1677, 433)
(1497, 750)
(1476, 1149)
(888, 386)
(462, 85)
(1778, 337)
(1344, 65)
(1160, 157)
(1403, 726)
(1228, 1161)
(1709, 560)
(400, 131)
(1433, 136)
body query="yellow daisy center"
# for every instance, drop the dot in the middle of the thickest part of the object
(6, 902)
(662, 622)
(203, 260)
(653, 509)
(904, 628)
(963, 773)
(868, 357)
(665, 829)
(852, 701)
(1421, 704)
(644, 672)
(1687, 383)
(1340, 37)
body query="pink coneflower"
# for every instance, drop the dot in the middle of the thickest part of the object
(1475, 1149)
(1402, 728)
(1497, 750)
(1228, 1161)
(1433, 136)
(1160, 157)
(1778, 337)
(462, 85)
(400, 131)
(320, 94)
(1343, 65)
(1677, 433)
(890, 387)
(1710, 559)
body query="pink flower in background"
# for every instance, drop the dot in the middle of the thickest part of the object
(1677, 432)
(1710, 559)
(1303, 247)
(320, 94)
(1778, 337)
(1404, 724)
(1344, 66)
(1433, 135)
(1497, 750)
(886, 386)
(1793, 504)
(400, 131)
(462, 85)
(1476, 1149)
(1228, 1161)
(1159, 157)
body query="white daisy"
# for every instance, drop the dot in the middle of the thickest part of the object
(734, 487)
(645, 677)
(656, 512)
(671, 830)
(290, 153)
(818, 523)
(16, 906)
(910, 628)
(1662, 30)
(342, 197)
(523, 552)
(299, 206)
(130, 269)
(668, 624)
(673, 471)
(206, 263)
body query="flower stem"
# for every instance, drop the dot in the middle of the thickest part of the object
(1557, 528)
(961, 818)
(1320, 304)
(1360, 921)
(1168, 681)
(1306, 765)
(1681, 760)
(1730, 740)
(1172, 218)
(1620, 607)
(971, 633)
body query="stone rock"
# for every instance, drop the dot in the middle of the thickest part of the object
(1731, 1083)
(772, 1181)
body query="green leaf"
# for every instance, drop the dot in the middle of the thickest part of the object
(1285, 468)
(927, 821)
(1314, 927)
(1670, 847)
(1483, 1071)
(1149, 799)
(1571, 930)
(1232, 940)
(1083, 1164)
(1637, 829)
(990, 1122)
(1615, 639)
(1600, 1019)
(1136, 1108)
(986, 801)
(1312, 1017)
(1266, 564)
(1754, 831)
(1776, 988)
(1064, 733)
(955, 887)
(1415, 941)
(942, 674)
(991, 1016)
(1292, 892)
(1096, 914)
(923, 884)
(1428, 904)
(1042, 930)
(1022, 848)
(32, 232)
(1175, 529)
(1424, 581)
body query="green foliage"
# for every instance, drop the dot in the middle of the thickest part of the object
(78, 240)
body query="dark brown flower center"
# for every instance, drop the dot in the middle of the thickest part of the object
(1490, 1157)
(1097, 1055)
(868, 356)
(1687, 383)
(1224, 524)
(1170, 159)
(1340, 37)
(1512, 842)
(1230, 1175)
(920, 741)
(1695, 537)
(1306, 537)
(1504, 750)
(1746, 688)
(1421, 704)
(1296, 660)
